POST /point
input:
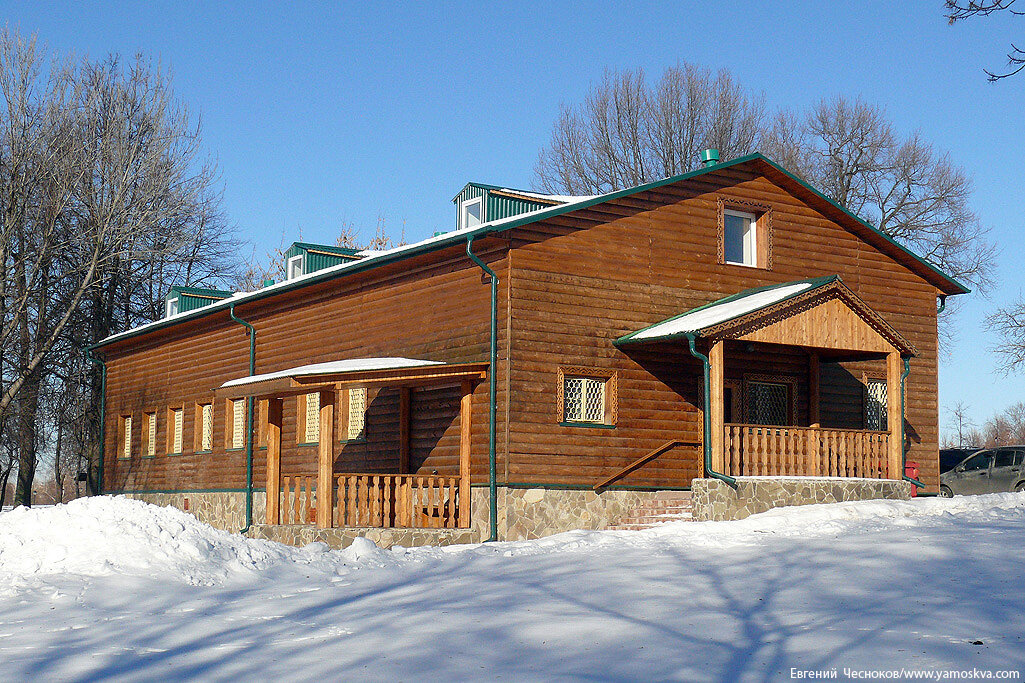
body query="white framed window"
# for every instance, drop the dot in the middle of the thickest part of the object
(172, 307)
(295, 267)
(357, 429)
(583, 399)
(312, 418)
(238, 423)
(176, 424)
(151, 434)
(126, 436)
(740, 245)
(875, 404)
(471, 212)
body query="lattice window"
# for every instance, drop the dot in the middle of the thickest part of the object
(584, 399)
(207, 433)
(238, 423)
(767, 403)
(312, 418)
(151, 434)
(178, 423)
(875, 404)
(357, 414)
(126, 436)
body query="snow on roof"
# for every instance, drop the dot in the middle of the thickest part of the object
(333, 368)
(562, 198)
(721, 311)
(371, 256)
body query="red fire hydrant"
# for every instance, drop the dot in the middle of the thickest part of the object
(911, 470)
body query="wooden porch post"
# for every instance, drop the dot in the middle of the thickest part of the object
(326, 456)
(716, 360)
(272, 431)
(465, 404)
(404, 419)
(813, 389)
(894, 418)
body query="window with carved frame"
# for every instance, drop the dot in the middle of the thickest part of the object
(770, 399)
(587, 397)
(745, 233)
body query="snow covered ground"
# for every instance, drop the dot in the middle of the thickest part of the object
(109, 588)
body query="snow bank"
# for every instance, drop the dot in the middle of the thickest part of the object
(117, 535)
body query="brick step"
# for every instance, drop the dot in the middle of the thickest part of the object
(670, 507)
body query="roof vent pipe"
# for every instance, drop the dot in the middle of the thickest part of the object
(710, 157)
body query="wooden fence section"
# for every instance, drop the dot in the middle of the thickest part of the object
(298, 500)
(760, 450)
(398, 500)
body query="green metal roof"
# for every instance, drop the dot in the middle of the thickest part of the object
(455, 237)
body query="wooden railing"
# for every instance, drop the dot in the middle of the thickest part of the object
(760, 450)
(641, 462)
(397, 500)
(298, 500)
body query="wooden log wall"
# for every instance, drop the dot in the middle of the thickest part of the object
(437, 310)
(581, 280)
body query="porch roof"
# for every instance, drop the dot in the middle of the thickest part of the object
(780, 314)
(384, 371)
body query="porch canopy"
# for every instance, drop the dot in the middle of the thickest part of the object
(327, 379)
(821, 315)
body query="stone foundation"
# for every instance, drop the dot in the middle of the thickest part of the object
(714, 500)
(533, 513)
(222, 509)
(300, 535)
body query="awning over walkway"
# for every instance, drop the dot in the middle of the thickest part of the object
(352, 372)
(818, 313)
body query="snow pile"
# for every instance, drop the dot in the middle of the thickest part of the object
(116, 535)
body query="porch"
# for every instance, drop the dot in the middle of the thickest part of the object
(763, 353)
(336, 496)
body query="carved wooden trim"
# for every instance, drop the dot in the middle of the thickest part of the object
(769, 315)
(763, 226)
(611, 378)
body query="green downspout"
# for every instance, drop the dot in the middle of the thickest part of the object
(492, 395)
(103, 415)
(707, 438)
(903, 451)
(249, 419)
(943, 303)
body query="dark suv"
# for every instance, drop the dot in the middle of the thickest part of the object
(994, 470)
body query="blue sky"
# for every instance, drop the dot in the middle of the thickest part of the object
(327, 112)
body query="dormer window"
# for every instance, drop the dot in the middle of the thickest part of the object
(172, 307)
(295, 267)
(471, 212)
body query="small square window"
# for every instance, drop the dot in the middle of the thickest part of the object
(587, 397)
(740, 241)
(471, 212)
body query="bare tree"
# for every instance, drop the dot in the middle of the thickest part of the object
(958, 10)
(628, 133)
(103, 202)
(962, 424)
(1008, 322)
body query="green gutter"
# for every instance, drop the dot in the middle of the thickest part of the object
(903, 451)
(103, 414)
(707, 439)
(249, 419)
(492, 393)
(943, 304)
